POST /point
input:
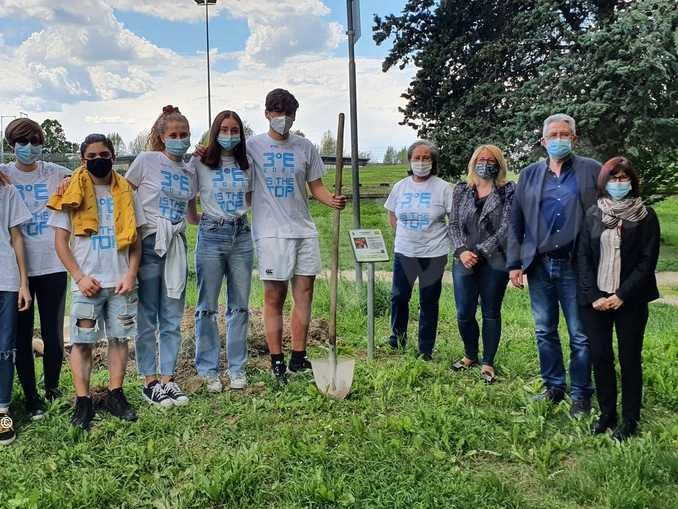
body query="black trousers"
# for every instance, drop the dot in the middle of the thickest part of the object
(50, 292)
(629, 322)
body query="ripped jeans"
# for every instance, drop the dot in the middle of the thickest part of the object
(224, 249)
(8, 321)
(115, 316)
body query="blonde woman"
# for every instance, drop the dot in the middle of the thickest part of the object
(481, 211)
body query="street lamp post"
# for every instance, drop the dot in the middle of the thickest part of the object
(207, 3)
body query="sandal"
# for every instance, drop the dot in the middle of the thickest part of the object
(461, 365)
(487, 373)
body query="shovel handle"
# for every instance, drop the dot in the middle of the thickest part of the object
(336, 223)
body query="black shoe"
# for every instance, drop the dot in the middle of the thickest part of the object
(553, 395)
(395, 344)
(36, 408)
(279, 371)
(625, 430)
(7, 433)
(604, 422)
(580, 408)
(425, 357)
(117, 405)
(83, 413)
(297, 366)
(52, 394)
(156, 395)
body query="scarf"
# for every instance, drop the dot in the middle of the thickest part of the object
(614, 212)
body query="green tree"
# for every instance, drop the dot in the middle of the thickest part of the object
(390, 156)
(138, 144)
(118, 144)
(491, 71)
(328, 144)
(55, 138)
(401, 158)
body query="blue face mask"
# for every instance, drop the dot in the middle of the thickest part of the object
(27, 154)
(618, 190)
(559, 149)
(228, 142)
(177, 146)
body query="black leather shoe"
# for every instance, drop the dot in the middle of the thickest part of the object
(604, 422)
(116, 404)
(580, 408)
(553, 395)
(625, 430)
(83, 413)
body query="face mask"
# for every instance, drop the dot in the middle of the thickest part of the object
(421, 168)
(27, 154)
(228, 142)
(486, 171)
(99, 167)
(618, 190)
(281, 125)
(559, 149)
(177, 146)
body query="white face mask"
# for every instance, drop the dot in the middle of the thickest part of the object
(421, 168)
(281, 125)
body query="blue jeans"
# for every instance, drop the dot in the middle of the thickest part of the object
(406, 270)
(552, 282)
(159, 317)
(490, 285)
(8, 319)
(224, 249)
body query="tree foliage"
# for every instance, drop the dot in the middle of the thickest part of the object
(118, 143)
(490, 71)
(138, 144)
(328, 144)
(55, 138)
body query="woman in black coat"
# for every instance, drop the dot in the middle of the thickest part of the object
(616, 259)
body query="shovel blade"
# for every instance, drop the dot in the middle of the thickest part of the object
(333, 380)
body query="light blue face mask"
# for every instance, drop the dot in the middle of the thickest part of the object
(177, 146)
(618, 190)
(559, 149)
(27, 154)
(228, 142)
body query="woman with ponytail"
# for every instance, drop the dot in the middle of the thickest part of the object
(164, 184)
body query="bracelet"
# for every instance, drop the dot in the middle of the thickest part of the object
(77, 282)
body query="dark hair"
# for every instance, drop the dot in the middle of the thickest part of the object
(169, 113)
(212, 157)
(614, 166)
(282, 101)
(96, 138)
(23, 128)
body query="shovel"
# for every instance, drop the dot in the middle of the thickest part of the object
(334, 376)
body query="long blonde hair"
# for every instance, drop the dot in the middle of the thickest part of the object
(500, 179)
(169, 113)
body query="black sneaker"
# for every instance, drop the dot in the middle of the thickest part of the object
(175, 393)
(279, 372)
(553, 395)
(52, 394)
(7, 433)
(580, 408)
(83, 413)
(604, 422)
(625, 430)
(117, 405)
(155, 395)
(298, 366)
(36, 408)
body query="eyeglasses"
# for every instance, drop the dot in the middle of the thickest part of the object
(620, 178)
(103, 155)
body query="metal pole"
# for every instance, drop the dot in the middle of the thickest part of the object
(370, 311)
(354, 130)
(209, 88)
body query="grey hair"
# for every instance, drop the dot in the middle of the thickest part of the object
(560, 117)
(435, 153)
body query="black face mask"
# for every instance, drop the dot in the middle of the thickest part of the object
(99, 167)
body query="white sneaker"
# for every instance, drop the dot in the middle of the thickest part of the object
(238, 381)
(213, 384)
(175, 393)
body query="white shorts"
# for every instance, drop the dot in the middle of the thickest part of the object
(282, 259)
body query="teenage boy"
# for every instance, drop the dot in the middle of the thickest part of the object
(96, 225)
(285, 236)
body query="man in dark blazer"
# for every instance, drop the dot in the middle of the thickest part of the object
(548, 210)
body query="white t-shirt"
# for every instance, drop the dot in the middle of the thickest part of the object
(222, 190)
(421, 209)
(98, 255)
(35, 188)
(280, 172)
(13, 212)
(163, 186)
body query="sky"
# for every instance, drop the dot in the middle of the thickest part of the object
(111, 65)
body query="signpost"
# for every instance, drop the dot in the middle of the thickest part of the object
(369, 247)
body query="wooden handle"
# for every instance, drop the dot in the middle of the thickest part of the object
(336, 223)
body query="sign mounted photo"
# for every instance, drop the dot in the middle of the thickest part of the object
(368, 246)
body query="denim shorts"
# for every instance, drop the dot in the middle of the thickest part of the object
(115, 316)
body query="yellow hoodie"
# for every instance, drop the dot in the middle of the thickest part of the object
(81, 200)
